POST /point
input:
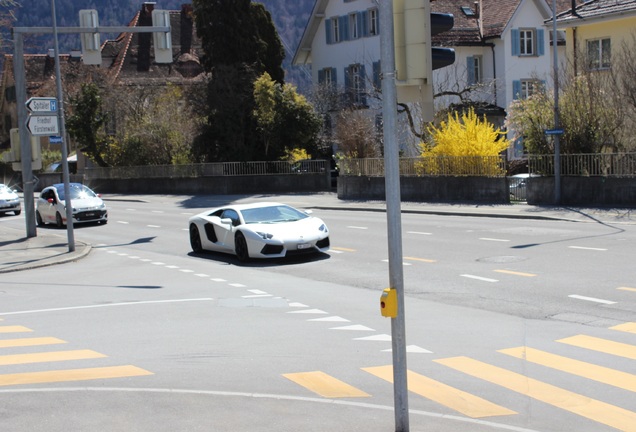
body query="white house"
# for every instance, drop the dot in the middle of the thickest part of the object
(503, 51)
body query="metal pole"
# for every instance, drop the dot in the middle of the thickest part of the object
(25, 138)
(394, 224)
(60, 103)
(557, 143)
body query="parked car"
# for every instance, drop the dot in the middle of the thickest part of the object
(9, 201)
(258, 230)
(518, 186)
(87, 205)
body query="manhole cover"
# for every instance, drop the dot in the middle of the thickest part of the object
(502, 259)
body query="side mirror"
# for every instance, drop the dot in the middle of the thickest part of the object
(51, 200)
(226, 221)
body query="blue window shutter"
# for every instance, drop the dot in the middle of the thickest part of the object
(363, 85)
(540, 42)
(328, 31)
(377, 82)
(516, 89)
(365, 23)
(360, 21)
(343, 24)
(321, 76)
(334, 76)
(515, 41)
(470, 67)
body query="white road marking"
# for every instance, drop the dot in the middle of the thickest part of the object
(298, 305)
(157, 263)
(357, 227)
(586, 248)
(419, 233)
(201, 275)
(123, 222)
(186, 271)
(172, 267)
(380, 337)
(157, 211)
(592, 299)
(353, 328)
(479, 278)
(218, 280)
(153, 226)
(146, 260)
(256, 296)
(308, 311)
(237, 285)
(403, 263)
(330, 319)
(256, 291)
(493, 239)
(132, 303)
(412, 349)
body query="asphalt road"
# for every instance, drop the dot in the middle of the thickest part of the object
(144, 335)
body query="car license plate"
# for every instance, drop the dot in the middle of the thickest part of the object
(89, 214)
(304, 245)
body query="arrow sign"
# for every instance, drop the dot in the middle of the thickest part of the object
(41, 105)
(42, 125)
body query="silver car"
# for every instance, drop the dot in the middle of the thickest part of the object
(9, 201)
(87, 205)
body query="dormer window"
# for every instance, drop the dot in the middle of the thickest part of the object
(468, 11)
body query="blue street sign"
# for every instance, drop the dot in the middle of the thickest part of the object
(553, 131)
(55, 140)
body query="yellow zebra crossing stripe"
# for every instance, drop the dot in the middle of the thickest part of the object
(627, 327)
(575, 367)
(465, 403)
(52, 356)
(72, 375)
(325, 385)
(602, 345)
(24, 342)
(14, 329)
(592, 409)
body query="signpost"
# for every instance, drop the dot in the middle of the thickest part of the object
(42, 105)
(43, 125)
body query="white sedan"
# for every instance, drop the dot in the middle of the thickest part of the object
(9, 201)
(258, 230)
(87, 205)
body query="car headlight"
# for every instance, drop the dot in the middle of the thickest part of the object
(323, 227)
(264, 235)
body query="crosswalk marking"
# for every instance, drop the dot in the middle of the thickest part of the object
(42, 357)
(592, 409)
(72, 375)
(325, 385)
(602, 345)
(465, 403)
(575, 367)
(14, 329)
(24, 342)
(629, 327)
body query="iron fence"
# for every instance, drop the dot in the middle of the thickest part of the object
(208, 169)
(486, 166)
(586, 164)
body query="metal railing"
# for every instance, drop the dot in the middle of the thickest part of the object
(586, 164)
(487, 166)
(208, 169)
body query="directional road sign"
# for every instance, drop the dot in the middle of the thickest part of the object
(42, 125)
(42, 105)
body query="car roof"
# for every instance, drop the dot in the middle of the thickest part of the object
(245, 206)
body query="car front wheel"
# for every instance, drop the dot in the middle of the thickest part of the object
(195, 239)
(58, 220)
(240, 247)
(38, 218)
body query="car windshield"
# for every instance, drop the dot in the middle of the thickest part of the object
(272, 214)
(77, 192)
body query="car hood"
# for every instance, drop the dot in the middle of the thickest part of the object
(305, 226)
(82, 203)
(9, 196)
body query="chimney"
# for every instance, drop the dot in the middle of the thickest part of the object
(144, 39)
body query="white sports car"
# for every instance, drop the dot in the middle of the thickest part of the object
(258, 230)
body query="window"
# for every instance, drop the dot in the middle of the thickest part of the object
(327, 76)
(599, 53)
(474, 68)
(355, 85)
(332, 30)
(523, 89)
(372, 22)
(528, 42)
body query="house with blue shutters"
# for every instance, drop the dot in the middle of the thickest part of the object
(503, 51)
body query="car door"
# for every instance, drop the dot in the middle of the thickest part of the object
(45, 208)
(225, 230)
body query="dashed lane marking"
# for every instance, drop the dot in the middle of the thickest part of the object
(587, 248)
(493, 239)
(516, 273)
(357, 227)
(419, 233)
(420, 259)
(602, 345)
(591, 299)
(325, 385)
(627, 327)
(484, 279)
(627, 289)
(584, 406)
(72, 375)
(356, 327)
(590, 371)
(41, 357)
(458, 400)
(24, 342)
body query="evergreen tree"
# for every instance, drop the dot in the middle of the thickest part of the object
(240, 44)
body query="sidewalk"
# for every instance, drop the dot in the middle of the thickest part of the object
(20, 253)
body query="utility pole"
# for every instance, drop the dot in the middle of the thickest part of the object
(393, 211)
(557, 143)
